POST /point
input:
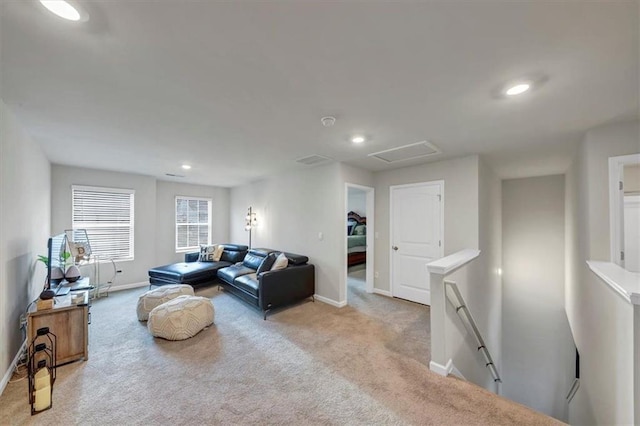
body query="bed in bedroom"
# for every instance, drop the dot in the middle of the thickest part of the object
(356, 239)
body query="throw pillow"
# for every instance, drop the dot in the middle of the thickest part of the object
(207, 253)
(280, 263)
(267, 263)
(217, 253)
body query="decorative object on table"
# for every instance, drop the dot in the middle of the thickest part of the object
(57, 275)
(251, 221)
(79, 246)
(72, 274)
(42, 304)
(41, 355)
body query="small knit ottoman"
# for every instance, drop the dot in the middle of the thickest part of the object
(180, 318)
(156, 297)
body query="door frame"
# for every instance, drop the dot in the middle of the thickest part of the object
(409, 185)
(370, 215)
(616, 200)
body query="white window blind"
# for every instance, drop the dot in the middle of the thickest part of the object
(193, 222)
(107, 216)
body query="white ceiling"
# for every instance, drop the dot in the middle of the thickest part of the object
(237, 89)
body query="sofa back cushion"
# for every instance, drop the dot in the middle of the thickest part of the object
(296, 259)
(253, 259)
(233, 253)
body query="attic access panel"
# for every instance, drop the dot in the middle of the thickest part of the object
(407, 152)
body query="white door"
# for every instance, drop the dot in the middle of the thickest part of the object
(416, 238)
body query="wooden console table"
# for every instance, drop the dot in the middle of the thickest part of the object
(69, 322)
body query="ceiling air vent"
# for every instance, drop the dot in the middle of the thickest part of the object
(174, 175)
(407, 152)
(313, 160)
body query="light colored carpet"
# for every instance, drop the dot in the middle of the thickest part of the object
(311, 364)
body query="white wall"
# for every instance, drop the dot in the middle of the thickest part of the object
(464, 213)
(485, 296)
(357, 201)
(25, 197)
(601, 321)
(166, 193)
(154, 210)
(460, 206)
(538, 351)
(292, 209)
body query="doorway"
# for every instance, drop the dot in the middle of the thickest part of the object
(359, 239)
(417, 229)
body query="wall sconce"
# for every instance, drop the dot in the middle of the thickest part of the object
(250, 222)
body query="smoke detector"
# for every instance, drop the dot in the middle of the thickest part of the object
(328, 121)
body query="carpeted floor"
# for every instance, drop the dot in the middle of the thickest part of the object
(311, 364)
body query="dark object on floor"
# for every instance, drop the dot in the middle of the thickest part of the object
(41, 355)
(194, 272)
(272, 288)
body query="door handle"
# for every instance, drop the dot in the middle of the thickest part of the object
(395, 248)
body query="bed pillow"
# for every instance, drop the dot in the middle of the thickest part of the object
(280, 263)
(360, 230)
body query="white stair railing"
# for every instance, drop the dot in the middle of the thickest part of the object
(455, 298)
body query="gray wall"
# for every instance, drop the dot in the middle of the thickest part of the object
(166, 193)
(537, 349)
(460, 206)
(25, 194)
(600, 320)
(292, 209)
(154, 209)
(63, 177)
(357, 201)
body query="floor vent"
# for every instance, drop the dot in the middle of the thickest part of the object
(313, 160)
(407, 152)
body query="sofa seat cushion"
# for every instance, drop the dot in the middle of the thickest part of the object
(229, 274)
(181, 318)
(153, 298)
(187, 273)
(248, 283)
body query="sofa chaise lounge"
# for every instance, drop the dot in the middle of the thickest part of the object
(193, 272)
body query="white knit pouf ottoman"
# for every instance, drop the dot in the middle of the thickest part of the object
(180, 318)
(156, 297)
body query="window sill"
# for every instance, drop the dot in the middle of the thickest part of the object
(623, 282)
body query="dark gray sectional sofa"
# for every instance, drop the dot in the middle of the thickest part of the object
(238, 273)
(269, 289)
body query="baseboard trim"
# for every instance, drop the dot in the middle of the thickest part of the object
(443, 370)
(382, 292)
(330, 301)
(12, 367)
(456, 372)
(129, 286)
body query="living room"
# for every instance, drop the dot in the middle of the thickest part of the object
(143, 110)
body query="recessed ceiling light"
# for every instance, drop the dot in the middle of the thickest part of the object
(358, 139)
(63, 9)
(517, 89)
(186, 166)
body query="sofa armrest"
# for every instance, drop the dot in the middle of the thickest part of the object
(284, 286)
(191, 256)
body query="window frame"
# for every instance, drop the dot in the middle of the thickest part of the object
(175, 221)
(131, 226)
